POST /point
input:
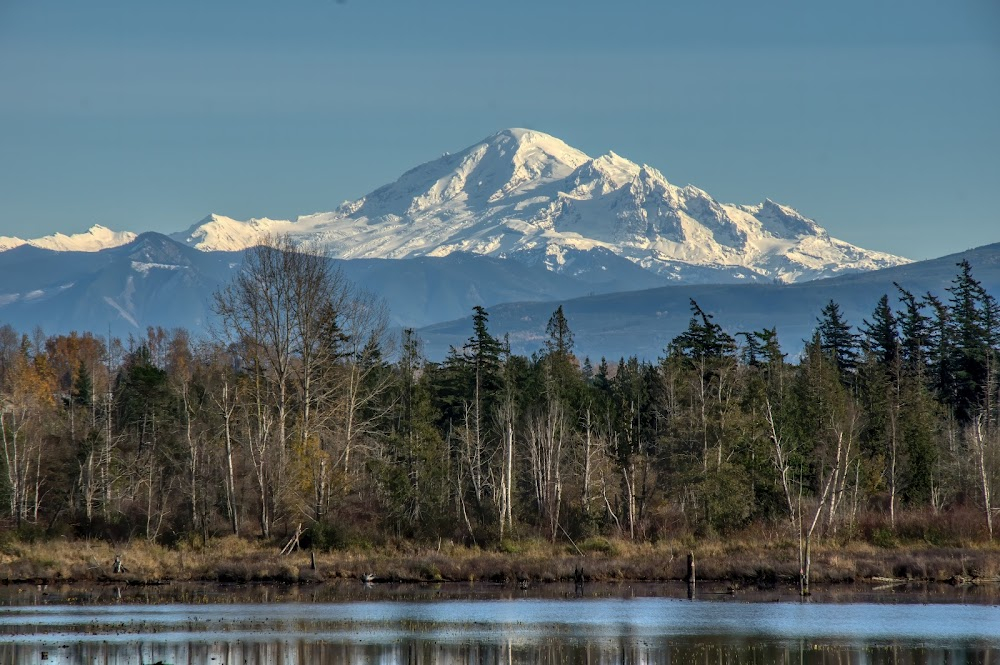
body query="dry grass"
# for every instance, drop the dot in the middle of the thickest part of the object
(767, 560)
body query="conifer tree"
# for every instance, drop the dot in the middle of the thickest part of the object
(972, 329)
(915, 333)
(83, 385)
(601, 380)
(940, 351)
(837, 340)
(558, 361)
(750, 352)
(881, 334)
(703, 338)
(773, 358)
(560, 340)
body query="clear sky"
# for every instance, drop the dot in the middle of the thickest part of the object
(878, 118)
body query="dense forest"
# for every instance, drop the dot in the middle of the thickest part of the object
(302, 412)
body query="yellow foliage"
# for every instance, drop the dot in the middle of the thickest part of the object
(308, 465)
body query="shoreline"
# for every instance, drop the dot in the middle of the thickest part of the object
(198, 593)
(740, 565)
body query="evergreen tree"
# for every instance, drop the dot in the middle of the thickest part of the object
(770, 348)
(483, 349)
(560, 341)
(821, 400)
(469, 376)
(83, 386)
(601, 380)
(972, 329)
(750, 351)
(881, 334)
(837, 340)
(143, 396)
(915, 332)
(940, 349)
(634, 434)
(558, 363)
(703, 338)
(919, 430)
(412, 474)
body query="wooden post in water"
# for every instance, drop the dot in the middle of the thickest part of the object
(690, 575)
(312, 559)
(805, 572)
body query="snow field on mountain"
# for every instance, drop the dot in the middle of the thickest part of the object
(528, 196)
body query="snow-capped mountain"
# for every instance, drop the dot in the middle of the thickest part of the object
(528, 196)
(95, 239)
(156, 281)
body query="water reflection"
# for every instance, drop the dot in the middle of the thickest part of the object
(554, 650)
(644, 630)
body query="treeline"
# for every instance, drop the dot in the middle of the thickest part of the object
(301, 413)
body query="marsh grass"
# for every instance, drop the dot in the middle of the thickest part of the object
(751, 558)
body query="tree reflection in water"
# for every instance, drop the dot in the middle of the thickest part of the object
(551, 650)
(539, 631)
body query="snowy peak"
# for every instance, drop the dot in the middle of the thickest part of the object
(505, 164)
(221, 233)
(525, 195)
(535, 152)
(96, 238)
(522, 160)
(784, 221)
(609, 171)
(532, 144)
(10, 242)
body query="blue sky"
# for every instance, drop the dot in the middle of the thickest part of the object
(881, 119)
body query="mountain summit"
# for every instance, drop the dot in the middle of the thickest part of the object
(95, 239)
(528, 196)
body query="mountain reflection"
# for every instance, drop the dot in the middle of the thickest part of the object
(550, 650)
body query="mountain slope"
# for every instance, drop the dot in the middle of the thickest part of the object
(529, 196)
(643, 322)
(157, 281)
(151, 281)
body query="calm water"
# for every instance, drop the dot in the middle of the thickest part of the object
(605, 630)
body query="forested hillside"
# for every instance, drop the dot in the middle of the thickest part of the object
(303, 412)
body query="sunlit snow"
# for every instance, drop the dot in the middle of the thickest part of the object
(526, 195)
(521, 190)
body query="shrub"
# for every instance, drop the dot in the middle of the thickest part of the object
(321, 536)
(884, 538)
(508, 546)
(599, 545)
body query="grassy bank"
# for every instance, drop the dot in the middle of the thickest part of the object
(741, 562)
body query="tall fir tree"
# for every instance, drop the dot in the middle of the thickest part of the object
(881, 334)
(915, 332)
(972, 330)
(703, 339)
(837, 340)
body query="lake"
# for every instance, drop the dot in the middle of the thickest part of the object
(496, 629)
